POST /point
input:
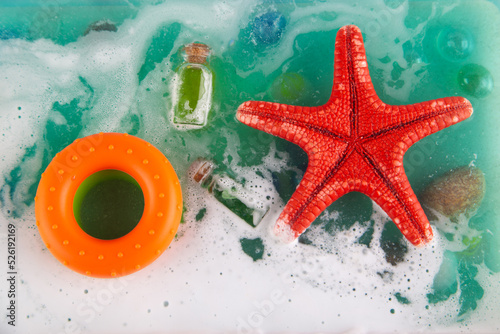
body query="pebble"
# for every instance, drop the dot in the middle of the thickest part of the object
(459, 191)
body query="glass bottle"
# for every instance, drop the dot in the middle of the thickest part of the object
(193, 88)
(229, 192)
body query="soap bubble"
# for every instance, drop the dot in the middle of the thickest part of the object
(455, 44)
(267, 28)
(475, 80)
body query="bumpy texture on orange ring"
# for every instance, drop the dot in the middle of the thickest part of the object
(118, 257)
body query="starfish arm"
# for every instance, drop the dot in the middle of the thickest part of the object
(352, 84)
(415, 121)
(401, 205)
(390, 189)
(350, 64)
(313, 195)
(285, 121)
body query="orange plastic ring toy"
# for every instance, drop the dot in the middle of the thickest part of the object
(95, 257)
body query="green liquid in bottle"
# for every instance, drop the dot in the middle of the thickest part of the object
(193, 91)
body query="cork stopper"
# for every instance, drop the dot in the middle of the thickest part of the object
(201, 171)
(196, 53)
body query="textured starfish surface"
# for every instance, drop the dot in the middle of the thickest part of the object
(355, 142)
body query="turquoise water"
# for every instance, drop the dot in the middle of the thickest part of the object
(61, 81)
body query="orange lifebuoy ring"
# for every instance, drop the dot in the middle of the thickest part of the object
(91, 256)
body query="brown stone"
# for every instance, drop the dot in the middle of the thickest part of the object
(459, 191)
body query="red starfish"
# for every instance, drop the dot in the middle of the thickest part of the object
(355, 142)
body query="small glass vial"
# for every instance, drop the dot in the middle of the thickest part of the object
(229, 192)
(193, 88)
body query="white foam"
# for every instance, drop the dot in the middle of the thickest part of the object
(340, 286)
